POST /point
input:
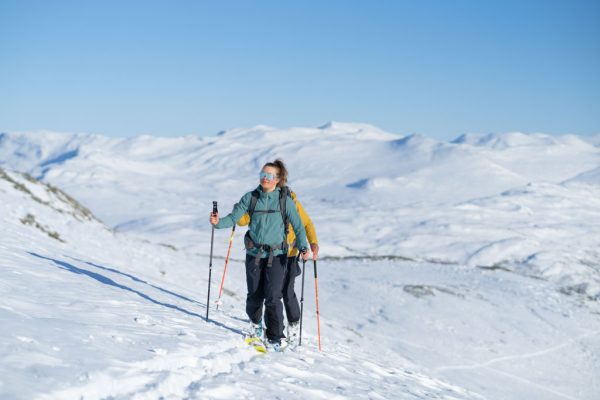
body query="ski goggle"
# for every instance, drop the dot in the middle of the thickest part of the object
(267, 175)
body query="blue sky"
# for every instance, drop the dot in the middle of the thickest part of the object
(171, 68)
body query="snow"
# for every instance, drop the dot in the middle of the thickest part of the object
(458, 270)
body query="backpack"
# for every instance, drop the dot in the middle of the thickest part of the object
(284, 193)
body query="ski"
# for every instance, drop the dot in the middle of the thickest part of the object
(256, 343)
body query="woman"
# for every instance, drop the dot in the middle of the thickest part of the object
(290, 300)
(266, 248)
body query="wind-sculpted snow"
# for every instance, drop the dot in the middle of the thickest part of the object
(591, 177)
(459, 270)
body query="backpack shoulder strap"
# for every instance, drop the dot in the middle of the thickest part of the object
(253, 201)
(284, 193)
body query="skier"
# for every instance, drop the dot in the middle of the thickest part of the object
(290, 300)
(266, 248)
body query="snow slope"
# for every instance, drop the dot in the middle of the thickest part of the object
(99, 314)
(489, 288)
(89, 313)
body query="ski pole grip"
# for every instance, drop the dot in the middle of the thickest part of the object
(215, 207)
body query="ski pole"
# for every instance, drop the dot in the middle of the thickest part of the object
(302, 301)
(317, 294)
(225, 268)
(212, 239)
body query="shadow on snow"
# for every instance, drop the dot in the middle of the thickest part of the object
(107, 281)
(135, 279)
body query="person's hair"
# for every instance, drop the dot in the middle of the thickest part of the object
(283, 172)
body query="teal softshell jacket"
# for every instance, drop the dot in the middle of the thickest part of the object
(267, 228)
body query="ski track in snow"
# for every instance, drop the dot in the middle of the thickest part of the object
(487, 365)
(538, 353)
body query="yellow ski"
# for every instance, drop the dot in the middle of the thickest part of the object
(256, 343)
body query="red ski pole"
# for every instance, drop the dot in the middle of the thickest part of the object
(302, 300)
(317, 295)
(225, 268)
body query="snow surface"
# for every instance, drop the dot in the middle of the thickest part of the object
(461, 270)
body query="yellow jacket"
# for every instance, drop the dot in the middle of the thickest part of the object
(311, 234)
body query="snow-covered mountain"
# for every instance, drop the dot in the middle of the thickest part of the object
(499, 199)
(462, 269)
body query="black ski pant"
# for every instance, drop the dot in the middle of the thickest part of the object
(265, 285)
(290, 301)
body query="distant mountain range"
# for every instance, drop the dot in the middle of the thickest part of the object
(370, 192)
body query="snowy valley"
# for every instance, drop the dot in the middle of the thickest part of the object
(467, 269)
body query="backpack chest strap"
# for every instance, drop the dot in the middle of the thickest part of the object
(262, 249)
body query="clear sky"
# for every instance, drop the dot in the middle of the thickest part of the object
(439, 68)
